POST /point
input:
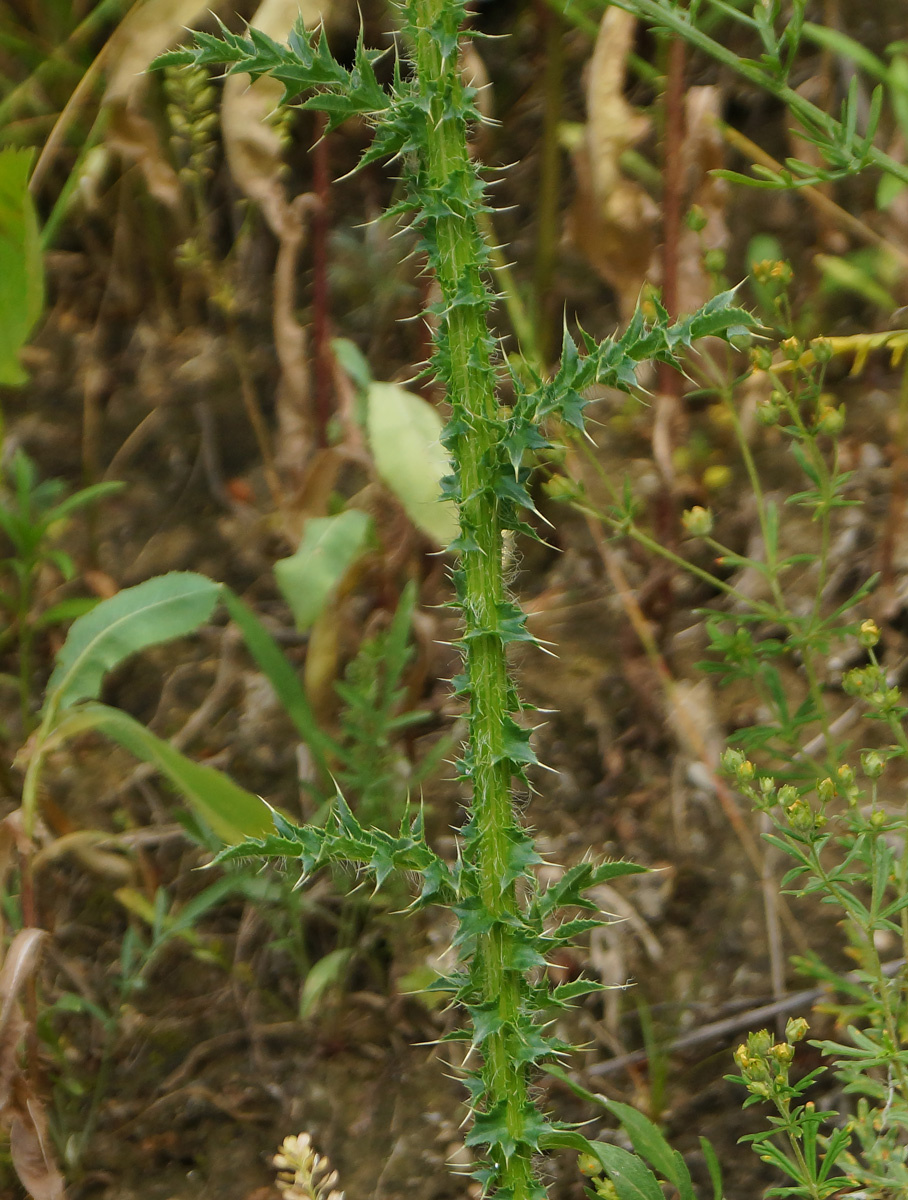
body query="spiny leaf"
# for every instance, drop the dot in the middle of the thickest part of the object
(304, 64)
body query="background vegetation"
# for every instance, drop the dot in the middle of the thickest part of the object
(213, 385)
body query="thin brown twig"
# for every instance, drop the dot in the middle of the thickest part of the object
(752, 1018)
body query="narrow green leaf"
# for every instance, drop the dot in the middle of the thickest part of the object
(163, 608)
(323, 975)
(85, 496)
(713, 1166)
(649, 1143)
(66, 610)
(21, 265)
(329, 547)
(282, 677)
(846, 47)
(233, 813)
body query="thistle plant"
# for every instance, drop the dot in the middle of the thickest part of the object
(508, 924)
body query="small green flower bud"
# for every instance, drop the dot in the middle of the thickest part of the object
(588, 1164)
(822, 349)
(783, 1054)
(792, 348)
(868, 634)
(697, 521)
(830, 421)
(745, 772)
(873, 763)
(714, 261)
(759, 1043)
(845, 775)
(771, 271)
(826, 790)
(732, 760)
(855, 682)
(787, 795)
(759, 1088)
(761, 358)
(878, 819)
(716, 477)
(696, 218)
(767, 785)
(768, 411)
(800, 814)
(796, 1029)
(885, 698)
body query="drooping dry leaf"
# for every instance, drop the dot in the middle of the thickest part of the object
(252, 144)
(702, 152)
(613, 221)
(19, 962)
(18, 966)
(21, 1110)
(145, 32)
(255, 155)
(31, 1150)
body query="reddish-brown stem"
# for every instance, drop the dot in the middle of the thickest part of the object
(321, 325)
(551, 31)
(669, 427)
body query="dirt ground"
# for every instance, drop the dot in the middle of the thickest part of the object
(187, 1076)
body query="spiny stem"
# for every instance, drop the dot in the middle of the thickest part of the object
(458, 260)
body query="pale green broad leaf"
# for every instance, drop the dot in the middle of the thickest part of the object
(163, 608)
(405, 440)
(232, 813)
(21, 266)
(632, 1178)
(649, 1143)
(329, 547)
(646, 1137)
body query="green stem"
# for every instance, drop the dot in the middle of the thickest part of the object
(458, 256)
